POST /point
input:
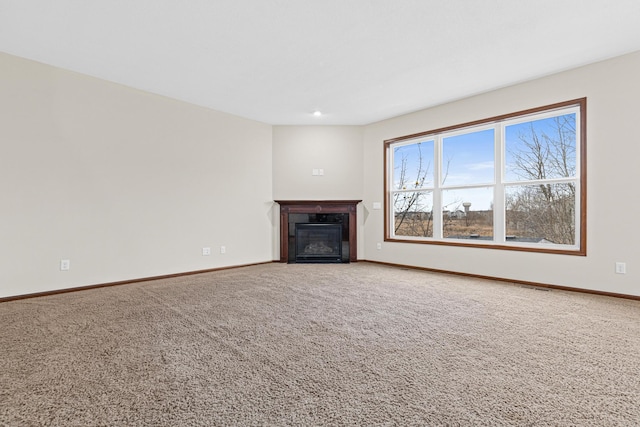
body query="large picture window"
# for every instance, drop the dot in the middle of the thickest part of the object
(516, 181)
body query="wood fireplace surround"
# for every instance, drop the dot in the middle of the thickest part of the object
(287, 207)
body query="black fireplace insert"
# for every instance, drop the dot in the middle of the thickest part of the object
(319, 238)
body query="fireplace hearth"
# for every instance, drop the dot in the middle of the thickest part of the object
(314, 231)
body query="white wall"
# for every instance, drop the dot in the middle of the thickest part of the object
(612, 89)
(122, 183)
(297, 150)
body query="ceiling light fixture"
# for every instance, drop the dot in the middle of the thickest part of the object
(317, 113)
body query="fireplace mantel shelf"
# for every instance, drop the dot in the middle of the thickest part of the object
(304, 204)
(317, 206)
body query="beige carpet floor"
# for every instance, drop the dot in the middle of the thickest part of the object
(351, 344)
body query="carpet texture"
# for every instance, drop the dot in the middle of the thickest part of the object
(303, 344)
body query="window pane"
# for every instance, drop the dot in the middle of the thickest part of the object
(541, 213)
(413, 214)
(541, 149)
(413, 166)
(468, 213)
(468, 158)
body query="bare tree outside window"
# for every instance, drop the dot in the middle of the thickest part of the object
(543, 150)
(414, 208)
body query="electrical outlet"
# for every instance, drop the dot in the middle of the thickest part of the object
(378, 246)
(206, 251)
(223, 249)
(621, 268)
(65, 265)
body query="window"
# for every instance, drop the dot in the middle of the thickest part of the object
(516, 181)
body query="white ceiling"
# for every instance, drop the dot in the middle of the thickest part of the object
(358, 61)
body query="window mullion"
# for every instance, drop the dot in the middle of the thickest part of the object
(578, 182)
(499, 224)
(437, 192)
(390, 193)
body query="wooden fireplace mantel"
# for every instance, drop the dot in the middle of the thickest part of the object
(318, 206)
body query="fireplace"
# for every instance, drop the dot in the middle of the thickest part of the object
(313, 231)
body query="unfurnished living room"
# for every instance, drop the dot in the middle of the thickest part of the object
(348, 212)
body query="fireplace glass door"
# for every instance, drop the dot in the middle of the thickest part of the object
(318, 242)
